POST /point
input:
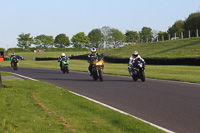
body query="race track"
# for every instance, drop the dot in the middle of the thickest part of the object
(169, 104)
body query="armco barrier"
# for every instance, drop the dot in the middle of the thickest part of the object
(44, 59)
(150, 61)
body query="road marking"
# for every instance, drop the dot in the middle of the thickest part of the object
(164, 129)
(23, 76)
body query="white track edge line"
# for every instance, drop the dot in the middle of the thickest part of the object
(23, 76)
(159, 127)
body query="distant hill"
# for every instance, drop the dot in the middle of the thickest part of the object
(181, 48)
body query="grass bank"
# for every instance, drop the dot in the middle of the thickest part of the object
(33, 106)
(181, 48)
(167, 72)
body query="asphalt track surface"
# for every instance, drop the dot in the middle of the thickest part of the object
(169, 104)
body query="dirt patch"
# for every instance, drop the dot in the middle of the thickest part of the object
(61, 119)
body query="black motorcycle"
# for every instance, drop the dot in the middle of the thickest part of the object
(14, 63)
(137, 70)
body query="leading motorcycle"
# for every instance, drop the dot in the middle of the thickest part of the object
(137, 69)
(97, 68)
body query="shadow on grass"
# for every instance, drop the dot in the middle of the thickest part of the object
(174, 48)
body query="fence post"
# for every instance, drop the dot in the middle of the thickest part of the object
(169, 36)
(175, 36)
(189, 33)
(182, 35)
(157, 38)
(197, 32)
(147, 40)
(0, 81)
(162, 37)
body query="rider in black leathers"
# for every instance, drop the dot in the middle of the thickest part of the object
(91, 57)
(12, 57)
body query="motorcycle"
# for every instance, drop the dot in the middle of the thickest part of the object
(65, 66)
(97, 68)
(14, 63)
(137, 70)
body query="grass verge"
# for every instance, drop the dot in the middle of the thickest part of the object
(33, 106)
(4, 73)
(167, 72)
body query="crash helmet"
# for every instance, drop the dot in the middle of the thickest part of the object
(135, 54)
(63, 55)
(13, 54)
(93, 50)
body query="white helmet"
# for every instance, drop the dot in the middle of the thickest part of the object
(135, 53)
(13, 54)
(93, 50)
(63, 55)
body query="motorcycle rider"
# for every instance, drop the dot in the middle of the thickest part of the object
(61, 58)
(91, 57)
(132, 59)
(12, 57)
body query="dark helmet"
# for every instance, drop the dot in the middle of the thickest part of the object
(93, 50)
(135, 53)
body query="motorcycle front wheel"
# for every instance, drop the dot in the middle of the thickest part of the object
(67, 69)
(142, 75)
(101, 75)
(95, 77)
(64, 69)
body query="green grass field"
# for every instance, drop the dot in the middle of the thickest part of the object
(181, 48)
(33, 106)
(166, 72)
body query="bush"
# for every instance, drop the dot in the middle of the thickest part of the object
(2, 49)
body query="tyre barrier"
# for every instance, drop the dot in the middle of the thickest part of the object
(149, 61)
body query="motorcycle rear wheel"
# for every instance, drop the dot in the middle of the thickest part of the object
(134, 78)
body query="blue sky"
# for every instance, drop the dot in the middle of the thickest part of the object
(52, 17)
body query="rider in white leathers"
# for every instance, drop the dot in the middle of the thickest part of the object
(133, 57)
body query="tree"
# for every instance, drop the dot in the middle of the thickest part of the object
(96, 37)
(25, 41)
(178, 27)
(44, 41)
(131, 36)
(117, 36)
(192, 22)
(106, 32)
(162, 35)
(146, 34)
(80, 40)
(61, 41)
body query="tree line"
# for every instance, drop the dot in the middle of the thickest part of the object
(183, 27)
(108, 37)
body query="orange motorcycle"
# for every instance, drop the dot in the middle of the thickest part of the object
(97, 68)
